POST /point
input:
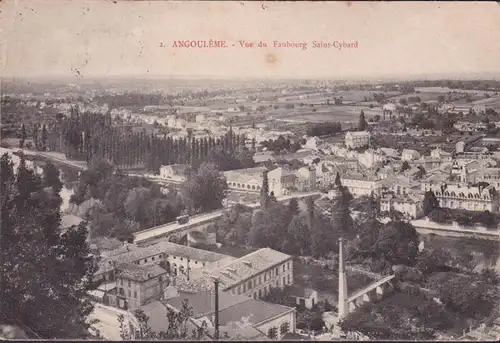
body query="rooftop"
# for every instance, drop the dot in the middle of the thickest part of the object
(140, 273)
(170, 248)
(249, 265)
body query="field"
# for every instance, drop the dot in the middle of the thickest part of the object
(449, 90)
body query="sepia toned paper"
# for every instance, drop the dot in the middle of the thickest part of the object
(244, 170)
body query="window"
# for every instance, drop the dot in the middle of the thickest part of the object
(145, 260)
(265, 277)
(288, 279)
(129, 293)
(288, 266)
(260, 279)
(121, 282)
(249, 285)
(272, 332)
(284, 268)
(284, 327)
(160, 278)
(135, 294)
(244, 288)
(129, 284)
(182, 259)
(195, 262)
(260, 293)
(239, 289)
(153, 258)
(277, 271)
(175, 257)
(284, 281)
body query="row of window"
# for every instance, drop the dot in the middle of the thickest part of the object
(166, 256)
(462, 195)
(242, 186)
(257, 294)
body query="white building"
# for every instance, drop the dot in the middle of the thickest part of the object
(411, 206)
(461, 194)
(247, 180)
(357, 139)
(306, 179)
(360, 185)
(281, 181)
(410, 155)
(174, 172)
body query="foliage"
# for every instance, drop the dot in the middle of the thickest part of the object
(405, 166)
(118, 205)
(310, 320)
(401, 316)
(281, 144)
(177, 326)
(323, 129)
(44, 275)
(468, 295)
(280, 296)
(205, 191)
(430, 202)
(362, 122)
(464, 217)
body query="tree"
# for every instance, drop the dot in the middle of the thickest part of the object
(44, 275)
(405, 166)
(338, 181)
(51, 177)
(398, 243)
(23, 136)
(293, 207)
(362, 122)
(280, 296)
(177, 328)
(264, 191)
(205, 191)
(430, 202)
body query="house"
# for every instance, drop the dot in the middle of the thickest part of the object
(252, 275)
(461, 194)
(441, 154)
(313, 143)
(357, 139)
(174, 172)
(138, 285)
(410, 205)
(306, 179)
(247, 180)
(304, 296)
(370, 157)
(281, 181)
(360, 184)
(239, 316)
(410, 155)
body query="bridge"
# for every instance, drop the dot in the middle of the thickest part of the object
(175, 231)
(370, 293)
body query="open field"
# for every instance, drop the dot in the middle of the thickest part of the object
(449, 90)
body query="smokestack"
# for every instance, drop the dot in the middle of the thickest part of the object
(216, 286)
(342, 304)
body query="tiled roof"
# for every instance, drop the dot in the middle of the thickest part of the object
(249, 265)
(232, 308)
(252, 311)
(157, 313)
(171, 249)
(139, 273)
(203, 302)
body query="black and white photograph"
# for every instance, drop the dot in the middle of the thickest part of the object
(249, 171)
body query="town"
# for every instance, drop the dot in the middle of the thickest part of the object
(297, 210)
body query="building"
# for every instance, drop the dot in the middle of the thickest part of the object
(304, 296)
(459, 193)
(306, 179)
(174, 172)
(281, 181)
(252, 275)
(362, 184)
(410, 155)
(357, 139)
(240, 317)
(137, 285)
(411, 206)
(441, 154)
(247, 180)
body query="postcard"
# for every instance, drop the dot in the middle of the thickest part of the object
(243, 170)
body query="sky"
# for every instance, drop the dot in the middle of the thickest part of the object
(85, 39)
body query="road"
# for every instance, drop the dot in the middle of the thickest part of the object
(108, 321)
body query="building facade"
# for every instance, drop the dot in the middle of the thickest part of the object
(357, 139)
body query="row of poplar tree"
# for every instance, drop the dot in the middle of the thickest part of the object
(88, 136)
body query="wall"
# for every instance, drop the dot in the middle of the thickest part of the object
(265, 280)
(277, 322)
